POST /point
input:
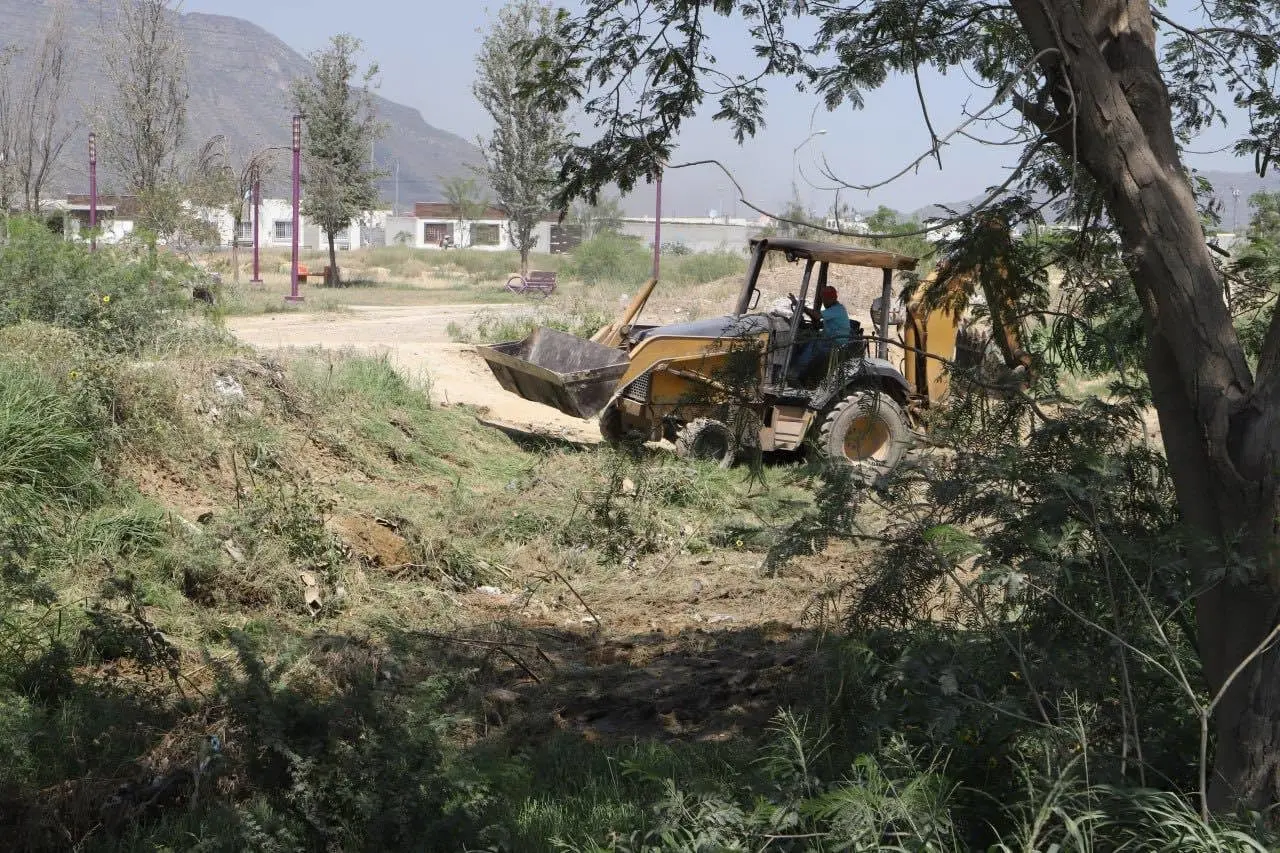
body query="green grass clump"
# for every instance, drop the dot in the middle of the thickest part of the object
(47, 445)
(610, 258)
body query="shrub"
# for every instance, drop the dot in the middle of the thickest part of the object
(609, 258)
(118, 297)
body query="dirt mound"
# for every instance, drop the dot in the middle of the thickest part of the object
(373, 540)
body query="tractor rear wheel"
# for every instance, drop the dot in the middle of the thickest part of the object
(708, 440)
(868, 431)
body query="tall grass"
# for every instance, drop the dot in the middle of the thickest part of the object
(46, 448)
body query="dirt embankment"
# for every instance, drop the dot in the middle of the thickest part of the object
(416, 340)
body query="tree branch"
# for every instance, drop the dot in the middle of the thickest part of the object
(934, 149)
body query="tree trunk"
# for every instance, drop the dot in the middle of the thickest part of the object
(235, 250)
(1219, 427)
(332, 279)
(522, 236)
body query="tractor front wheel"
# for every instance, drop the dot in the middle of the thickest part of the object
(868, 431)
(708, 440)
(615, 433)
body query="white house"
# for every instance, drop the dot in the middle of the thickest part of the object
(116, 216)
(434, 225)
(276, 229)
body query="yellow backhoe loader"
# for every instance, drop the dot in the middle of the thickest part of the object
(719, 386)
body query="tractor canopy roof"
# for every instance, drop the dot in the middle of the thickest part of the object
(835, 253)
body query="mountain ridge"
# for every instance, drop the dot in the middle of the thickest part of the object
(1234, 215)
(238, 74)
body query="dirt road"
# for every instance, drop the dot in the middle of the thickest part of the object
(416, 341)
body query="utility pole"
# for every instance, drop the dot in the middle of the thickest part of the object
(1235, 209)
(294, 296)
(93, 192)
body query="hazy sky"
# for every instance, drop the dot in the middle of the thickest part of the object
(426, 48)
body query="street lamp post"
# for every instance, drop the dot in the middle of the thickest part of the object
(294, 296)
(93, 192)
(257, 227)
(657, 225)
(1235, 209)
(795, 153)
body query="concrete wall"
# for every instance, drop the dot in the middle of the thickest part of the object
(698, 235)
(397, 225)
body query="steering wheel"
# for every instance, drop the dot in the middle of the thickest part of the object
(798, 308)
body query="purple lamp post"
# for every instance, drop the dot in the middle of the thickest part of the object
(297, 201)
(657, 226)
(257, 227)
(93, 192)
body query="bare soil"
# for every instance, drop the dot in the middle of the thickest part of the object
(681, 646)
(415, 339)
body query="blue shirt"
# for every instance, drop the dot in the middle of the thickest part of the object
(835, 324)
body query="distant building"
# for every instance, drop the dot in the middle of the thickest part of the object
(852, 224)
(434, 225)
(116, 216)
(276, 230)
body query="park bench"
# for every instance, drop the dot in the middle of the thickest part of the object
(536, 282)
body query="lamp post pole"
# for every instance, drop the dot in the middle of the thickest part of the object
(294, 296)
(257, 227)
(93, 192)
(657, 226)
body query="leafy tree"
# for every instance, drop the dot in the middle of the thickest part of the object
(1264, 227)
(1254, 280)
(8, 161)
(145, 119)
(1105, 93)
(528, 137)
(796, 221)
(464, 199)
(341, 128)
(603, 217)
(41, 130)
(886, 220)
(883, 221)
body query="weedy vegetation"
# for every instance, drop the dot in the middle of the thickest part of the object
(294, 604)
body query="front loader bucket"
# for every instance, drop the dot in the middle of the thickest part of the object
(573, 375)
